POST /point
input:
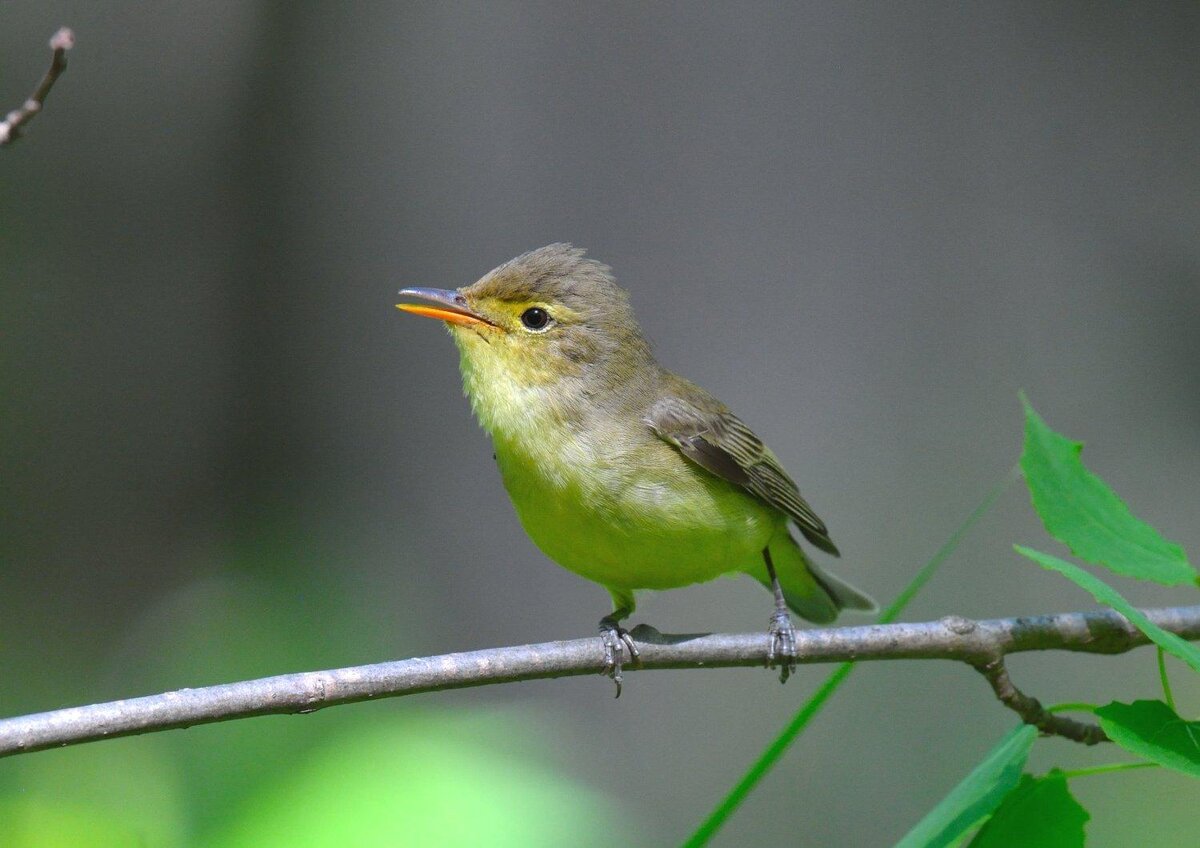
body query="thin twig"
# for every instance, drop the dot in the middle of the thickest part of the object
(1031, 710)
(10, 128)
(978, 643)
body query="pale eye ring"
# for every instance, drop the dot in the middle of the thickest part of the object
(535, 318)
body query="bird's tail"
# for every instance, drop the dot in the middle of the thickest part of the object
(809, 591)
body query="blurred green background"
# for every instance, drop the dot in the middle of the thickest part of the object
(223, 453)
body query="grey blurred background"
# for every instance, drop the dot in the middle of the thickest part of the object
(863, 226)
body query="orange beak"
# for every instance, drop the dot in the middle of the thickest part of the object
(450, 307)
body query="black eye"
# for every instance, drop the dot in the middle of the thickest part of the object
(535, 318)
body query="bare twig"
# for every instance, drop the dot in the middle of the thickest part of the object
(1031, 710)
(981, 644)
(10, 128)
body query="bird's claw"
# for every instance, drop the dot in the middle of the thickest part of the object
(781, 646)
(616, 641)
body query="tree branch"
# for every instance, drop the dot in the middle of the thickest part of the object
(981, 644)
(10, 128)
(1031, 710)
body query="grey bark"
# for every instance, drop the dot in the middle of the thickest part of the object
(14, 121)
(981, 644)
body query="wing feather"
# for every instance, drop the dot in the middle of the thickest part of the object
(718, 441)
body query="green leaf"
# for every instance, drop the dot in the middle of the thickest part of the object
(1152, 730)
(1109, 596)
(979, 793)
(810, 708)
(1082, 512)
(1039, 813)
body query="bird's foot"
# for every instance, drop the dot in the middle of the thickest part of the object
(781, 647)
(616, 641)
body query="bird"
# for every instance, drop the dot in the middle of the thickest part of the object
(619, 470)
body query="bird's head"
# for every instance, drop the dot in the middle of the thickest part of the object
(547, 316)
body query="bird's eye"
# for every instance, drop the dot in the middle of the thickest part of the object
(535, 318)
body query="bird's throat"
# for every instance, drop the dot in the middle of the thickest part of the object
(514, 397)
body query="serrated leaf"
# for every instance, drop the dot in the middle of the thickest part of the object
(1110, 597)
(1085, 514)
(1153, 730)
(979, 793)
(1039, 813)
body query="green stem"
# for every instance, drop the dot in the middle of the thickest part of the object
(774, 751)
(930, 568)
(1166, 683)
(1107, 769)
(1073, 707)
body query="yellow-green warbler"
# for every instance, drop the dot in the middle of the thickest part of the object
(619, 470)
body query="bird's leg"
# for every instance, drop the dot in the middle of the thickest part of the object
(617, 640)
(782, 645)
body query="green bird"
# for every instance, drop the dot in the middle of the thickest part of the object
(621, 471)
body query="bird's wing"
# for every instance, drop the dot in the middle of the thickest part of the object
(717, 440)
